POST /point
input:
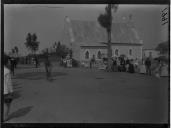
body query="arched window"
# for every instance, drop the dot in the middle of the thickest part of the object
(87, 55)
(130, 52)
(116, 52)
(99, 55)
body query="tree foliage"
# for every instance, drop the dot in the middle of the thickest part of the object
(16, 50)
(31, 42)
(105, 20)
(61, 50)
(163, 47)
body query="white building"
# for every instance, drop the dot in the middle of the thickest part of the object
(152, 53)
(87, 38)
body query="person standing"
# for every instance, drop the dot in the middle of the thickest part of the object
(119, 64)
(142, 68)
(123, 68)
(148, 66)
(8, 90)
(127, 64)
(131, 67)
(12, 65)
(90, 63)
(47, 67)
(93, 61)
(36, 61)
(115, 65)
(15, 62)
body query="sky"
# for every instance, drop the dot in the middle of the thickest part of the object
(47, 21)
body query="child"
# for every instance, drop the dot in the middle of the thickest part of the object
(8, 90)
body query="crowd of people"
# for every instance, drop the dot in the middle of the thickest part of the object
(146, 66)
(121, 64)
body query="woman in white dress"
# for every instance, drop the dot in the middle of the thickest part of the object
(142, 68)
(157, 70)
(8, 90)
(164, 70)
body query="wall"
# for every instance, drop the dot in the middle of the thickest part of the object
(92, 51)
(154, 54)
(136, 52)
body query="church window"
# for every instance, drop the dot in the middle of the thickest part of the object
(130, 52)
(116, 52)
(99, 55)
(87, 55)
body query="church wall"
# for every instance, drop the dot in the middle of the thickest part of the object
(92, 51)
(136, 52)
(151, 53)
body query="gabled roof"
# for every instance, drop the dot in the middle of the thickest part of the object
(91, 33)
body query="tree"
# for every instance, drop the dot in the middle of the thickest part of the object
(59, 45)
(105, 20)
(32, 44)
(13, 51)
(16, 50)
(163, 47)
(58, 49)
(63, 51)
(55, 46)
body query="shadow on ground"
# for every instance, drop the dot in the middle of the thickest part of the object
(38, 75)
(16, 84)
(16, 94)
(16, 90)
(26, 67)
(20, 112)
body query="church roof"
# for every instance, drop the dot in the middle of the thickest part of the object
(90, 33)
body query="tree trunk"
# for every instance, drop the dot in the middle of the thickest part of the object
(34, 56)
(109, 41)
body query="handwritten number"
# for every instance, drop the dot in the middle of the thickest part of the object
(164, 16)
(165, 23)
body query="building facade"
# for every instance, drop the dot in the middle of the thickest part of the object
(88, 39)
(152, 53)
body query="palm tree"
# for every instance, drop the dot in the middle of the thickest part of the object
(105, 20)
(32, 44)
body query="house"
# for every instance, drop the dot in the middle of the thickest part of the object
(88, 39)
(152, 53)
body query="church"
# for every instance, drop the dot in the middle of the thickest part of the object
(88, 39)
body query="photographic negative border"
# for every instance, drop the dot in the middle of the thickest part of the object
(50, 125)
